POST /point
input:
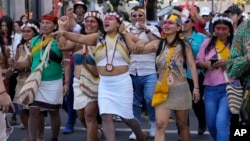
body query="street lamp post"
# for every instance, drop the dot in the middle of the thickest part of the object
(170, 2)
(212, 5)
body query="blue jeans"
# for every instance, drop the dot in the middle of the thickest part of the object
(217, 112)
(144, 87)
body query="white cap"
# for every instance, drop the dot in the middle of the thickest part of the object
(205, 11)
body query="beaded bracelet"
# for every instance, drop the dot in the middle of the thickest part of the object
(197, 89)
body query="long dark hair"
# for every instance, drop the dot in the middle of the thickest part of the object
(179, 38)
(9, 23)
(211, 43)
(31, 21)
(99, 21)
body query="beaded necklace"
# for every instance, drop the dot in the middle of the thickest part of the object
(109, 66)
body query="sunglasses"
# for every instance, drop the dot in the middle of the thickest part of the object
(27, 31)
(222, 28)
(140, 15)
(168, 22)
(187, 21)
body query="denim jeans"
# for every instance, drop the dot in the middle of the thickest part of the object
(144, 87)
(217, 112)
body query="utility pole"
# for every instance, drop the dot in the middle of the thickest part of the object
(212, 5)
(170, 2)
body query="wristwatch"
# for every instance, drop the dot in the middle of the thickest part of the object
(147, 31)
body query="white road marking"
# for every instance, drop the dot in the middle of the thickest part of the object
(129, 130)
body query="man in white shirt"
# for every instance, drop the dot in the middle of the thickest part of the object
(142, 67)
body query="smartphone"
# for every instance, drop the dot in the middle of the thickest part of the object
(213, 60)
(18, 108)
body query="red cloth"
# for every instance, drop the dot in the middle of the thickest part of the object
(49, 17)
(199, 27)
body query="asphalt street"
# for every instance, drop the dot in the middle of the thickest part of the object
(122, 131)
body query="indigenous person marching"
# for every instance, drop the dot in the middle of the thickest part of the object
(234, 12)
(212, 58)
(115, 92)
(23, 63)
(142, 67)
(6, 59)
(195, 39)
(5, 42)
(238, 64)
(5, 103)
(16, 38)
(51, 90)
(172, 92)
(85, 102)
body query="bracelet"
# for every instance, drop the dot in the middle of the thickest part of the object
(66, 60)
(2, 92)
(197, 89)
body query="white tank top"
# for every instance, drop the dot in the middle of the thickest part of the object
(117, 60)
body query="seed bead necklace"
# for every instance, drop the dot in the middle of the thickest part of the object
(109, 66)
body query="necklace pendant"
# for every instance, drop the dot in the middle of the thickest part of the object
(170, 80)
(109, 67)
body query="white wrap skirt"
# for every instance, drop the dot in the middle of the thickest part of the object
(115, 95)
(49, 95)
(81, 100)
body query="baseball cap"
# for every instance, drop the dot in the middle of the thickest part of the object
(205, 11)
(233, 9)
(82, 4)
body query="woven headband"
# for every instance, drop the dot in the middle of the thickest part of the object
(215, 19)
(118, 17)
(30, 25)
(93, 14)
(139, 10)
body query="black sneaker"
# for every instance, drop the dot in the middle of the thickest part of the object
(201, 130)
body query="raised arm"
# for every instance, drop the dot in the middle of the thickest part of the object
(90, 39)
(70, 15)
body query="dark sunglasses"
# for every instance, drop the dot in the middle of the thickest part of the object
(140, 15)
(187, 21)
